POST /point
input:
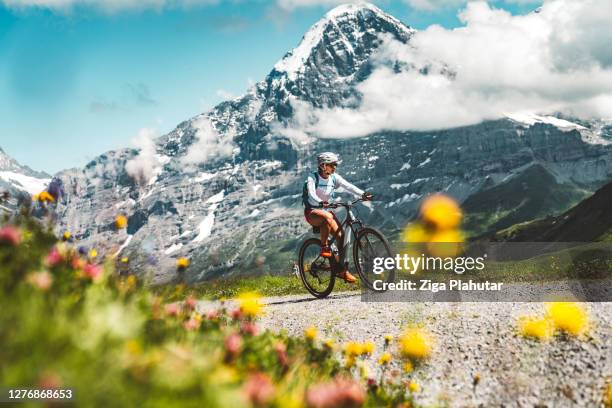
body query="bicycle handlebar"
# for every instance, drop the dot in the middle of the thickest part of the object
(340, 204)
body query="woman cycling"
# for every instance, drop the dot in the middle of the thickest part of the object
(319, 191)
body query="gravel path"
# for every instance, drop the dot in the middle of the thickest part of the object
(472, 339)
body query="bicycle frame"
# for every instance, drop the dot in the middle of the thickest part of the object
(352, 223)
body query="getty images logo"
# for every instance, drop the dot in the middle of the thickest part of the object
(412, 264)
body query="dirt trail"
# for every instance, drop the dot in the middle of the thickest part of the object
(472, 339)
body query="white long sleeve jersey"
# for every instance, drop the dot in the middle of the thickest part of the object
(326, 187)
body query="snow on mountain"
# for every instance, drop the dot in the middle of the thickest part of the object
(31, 185)
(349, 16)
(531, 119)
(19, 180)
(592, 134)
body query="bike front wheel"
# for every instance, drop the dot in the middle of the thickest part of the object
(370, 244)
(315, 271)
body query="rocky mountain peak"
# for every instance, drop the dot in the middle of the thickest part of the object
(334, 55)
(341, 33)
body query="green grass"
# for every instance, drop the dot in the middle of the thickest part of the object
(266, 285)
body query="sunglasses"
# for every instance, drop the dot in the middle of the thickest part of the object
(334, 165)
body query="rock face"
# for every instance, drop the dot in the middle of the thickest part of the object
(18, 182)
(240, 211)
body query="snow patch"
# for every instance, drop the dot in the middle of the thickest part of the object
(427, 160)
(31, 185)
(406, 166)
(206, 225)
(173, 248)
(203, 177)
(124, 245)
(531, 119)
(398, 186)
(217, 198)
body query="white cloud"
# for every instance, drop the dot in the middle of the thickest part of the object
(109, 6)
(225, 95)
(550, 61)
(423, 5)
(210, 144)
(293, 4)
(143, 166)
(430, 5)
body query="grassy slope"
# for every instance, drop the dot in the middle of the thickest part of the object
(532, 194)
(590, 220)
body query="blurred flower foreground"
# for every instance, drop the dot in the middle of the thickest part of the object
(70, 320)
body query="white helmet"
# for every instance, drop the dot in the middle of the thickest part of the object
(327, 158)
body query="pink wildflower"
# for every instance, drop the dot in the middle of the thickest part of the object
(41, 280)
(232, 343)
(191, 302)
(10, 235)
(249, 328)
(192, 324)
(338, 393)
(172, 309)
(92, 271)
(212, 315)
(259, 389)
(53, 258)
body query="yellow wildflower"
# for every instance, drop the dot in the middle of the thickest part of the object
(182, 263)
(329, 344)
(415, 233)
(415, 343)
(66, 235)
(388, 339)
(93, 254)
(45, 196)
(408, 367)
(568, 316)
(441, 211)
(367, 348)
(540, 329)
(121, 222)
(310, 333)
(131, 281)
(352, 349)
(125, 259)
(384, 359)
(446, 243)
(250, 305)
(413, 387)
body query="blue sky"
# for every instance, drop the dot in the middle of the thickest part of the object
(77, 82)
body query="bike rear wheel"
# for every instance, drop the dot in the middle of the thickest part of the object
(369, 244)
(315, 271)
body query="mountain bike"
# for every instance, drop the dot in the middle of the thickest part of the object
(318, 274)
